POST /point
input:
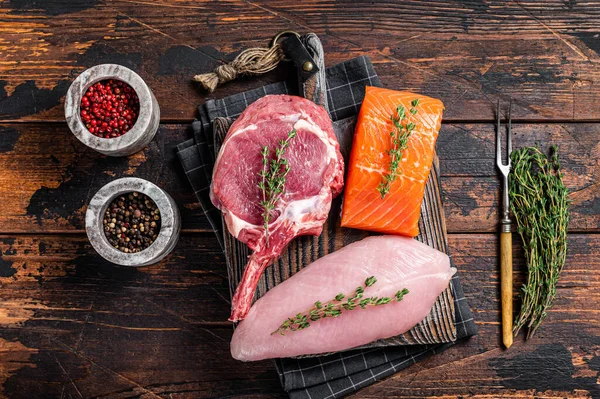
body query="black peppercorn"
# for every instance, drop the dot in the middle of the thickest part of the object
(126, 222)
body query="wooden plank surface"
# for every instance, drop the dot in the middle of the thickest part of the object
(543, 54)
(437, 327)
(70, 321)
(72, 325)
(47, 176)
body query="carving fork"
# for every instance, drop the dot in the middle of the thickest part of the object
(506, 274)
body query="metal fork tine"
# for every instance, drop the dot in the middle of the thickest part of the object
(498, 134)
(506, 278)
(509, 145)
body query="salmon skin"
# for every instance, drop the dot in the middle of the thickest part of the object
(398, 212)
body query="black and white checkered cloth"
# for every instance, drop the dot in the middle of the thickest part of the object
(340, 374)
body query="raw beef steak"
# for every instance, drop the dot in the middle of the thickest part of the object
(316, 176)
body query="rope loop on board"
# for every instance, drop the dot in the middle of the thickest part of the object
(252, 61)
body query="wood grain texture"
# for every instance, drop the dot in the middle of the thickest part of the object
(437, 327)
(467, 53)
(506, 287)
(47, 177)
(70, 321)
(73, 326)
(74, 323)
(561, 362)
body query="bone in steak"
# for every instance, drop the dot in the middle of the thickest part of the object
(316, 176)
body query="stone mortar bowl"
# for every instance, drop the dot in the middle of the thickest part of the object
(167, 236)
(138, 136)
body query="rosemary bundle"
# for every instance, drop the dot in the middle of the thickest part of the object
(402, 130)
(336, 306)
(539, 202)
(272, 179)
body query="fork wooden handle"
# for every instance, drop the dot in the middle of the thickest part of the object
(506, 284)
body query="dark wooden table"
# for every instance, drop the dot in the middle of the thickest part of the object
(72, 325)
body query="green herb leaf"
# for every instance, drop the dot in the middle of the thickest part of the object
(399, 139)
(273, 179)
(335, 307)
(384, 301)
(539, 202)
(400, 294)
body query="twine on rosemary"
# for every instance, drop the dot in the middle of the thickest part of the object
(252, 61)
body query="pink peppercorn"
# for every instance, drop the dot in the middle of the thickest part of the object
(109, 108)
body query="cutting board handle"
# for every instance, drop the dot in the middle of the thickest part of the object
(314, 87)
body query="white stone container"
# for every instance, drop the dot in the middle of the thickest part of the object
(167, 236)
(138, 136)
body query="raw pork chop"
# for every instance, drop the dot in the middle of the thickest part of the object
(397, 262)
(316, 176)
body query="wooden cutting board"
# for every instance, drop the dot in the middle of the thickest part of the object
(437, 327)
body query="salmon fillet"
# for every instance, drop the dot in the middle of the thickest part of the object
(398, 212)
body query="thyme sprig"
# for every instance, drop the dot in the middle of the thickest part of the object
(539, 202)
(336, 306)
(272, 179)
(400, 134)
